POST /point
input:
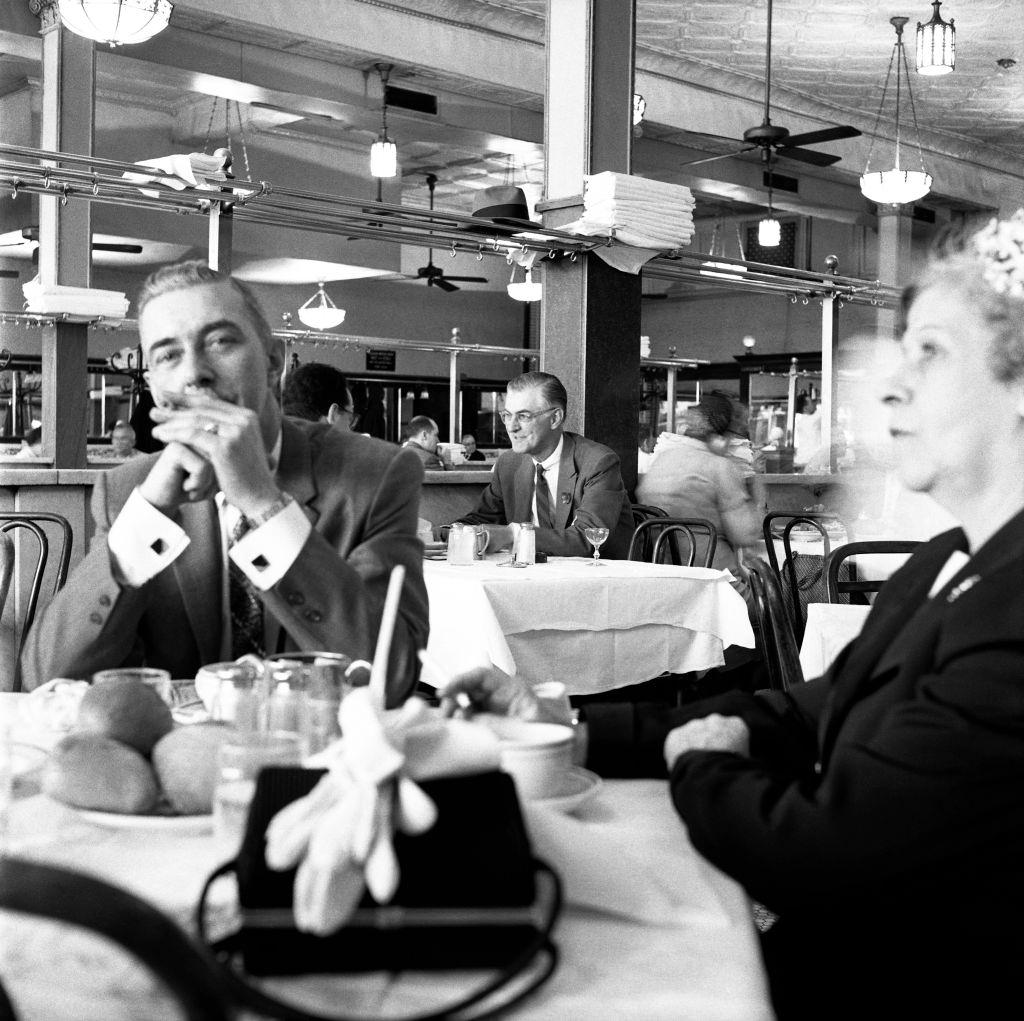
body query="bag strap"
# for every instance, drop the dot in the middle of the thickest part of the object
(249, 995)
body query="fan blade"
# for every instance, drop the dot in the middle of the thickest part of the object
(723, 156)
(467, 280)
(9, 273)
(816, 159)
(102, 246)
(443, 284)
(825, 135)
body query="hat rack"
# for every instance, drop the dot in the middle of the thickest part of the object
(67, 176)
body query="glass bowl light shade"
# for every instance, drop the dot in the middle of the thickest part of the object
(384, 158)
(116, 22)
(525, 291)
(769, 233)
(324, 315)
(895, 187)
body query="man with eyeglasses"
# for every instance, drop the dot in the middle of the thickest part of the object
(560, 481)
(319, 393)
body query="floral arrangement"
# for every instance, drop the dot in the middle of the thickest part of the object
(1000, 247)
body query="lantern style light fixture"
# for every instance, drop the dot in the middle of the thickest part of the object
(936, 44)
(769, 230)
(115, 22)
(324, 315)
(896, 186)
(384, 152)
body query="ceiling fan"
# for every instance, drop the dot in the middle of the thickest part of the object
(773, 140)
(31, 235)
(434, 275)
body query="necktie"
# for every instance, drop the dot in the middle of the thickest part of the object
(544, 516)
(244, 606)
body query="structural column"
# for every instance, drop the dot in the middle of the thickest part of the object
(895, 225)
(65, 236)
(590, 317)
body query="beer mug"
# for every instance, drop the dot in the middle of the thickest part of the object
(466, 543)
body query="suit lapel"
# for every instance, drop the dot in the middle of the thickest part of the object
(199, 586)
(567, 474)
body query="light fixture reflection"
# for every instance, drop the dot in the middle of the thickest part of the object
(723, 270)
(115, 22)
(384, 152)
(324, 315)
(769, 233)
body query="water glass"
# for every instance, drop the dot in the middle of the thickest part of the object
(239, 762)
(158, 680)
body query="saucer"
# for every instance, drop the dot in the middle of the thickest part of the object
(579, 787)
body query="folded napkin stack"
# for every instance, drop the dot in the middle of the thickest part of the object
(339, 835)
(76, 301)
(644, 214)
(181, 171)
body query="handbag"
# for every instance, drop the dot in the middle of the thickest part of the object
(471, 896)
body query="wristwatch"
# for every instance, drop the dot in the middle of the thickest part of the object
(255, 520)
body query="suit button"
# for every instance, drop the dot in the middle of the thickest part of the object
(295, 598)
(104, 600)
(96, 618)
(313, 616)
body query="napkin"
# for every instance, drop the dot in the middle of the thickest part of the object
(339, 835)
(181, 171)
(80, 301)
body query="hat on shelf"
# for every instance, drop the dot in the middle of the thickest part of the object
(504, 205)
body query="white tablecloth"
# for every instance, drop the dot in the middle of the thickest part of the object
(830, 628)
(650, 930)
(593, 628)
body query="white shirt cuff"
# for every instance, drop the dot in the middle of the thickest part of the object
(266, 553)
(143, 541)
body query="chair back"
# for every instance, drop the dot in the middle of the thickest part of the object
(801, 575)
(778, 642)
(841, 571)
(667, 545)
(31, 521)
(6, 567)
(63, 895)
(649, 543)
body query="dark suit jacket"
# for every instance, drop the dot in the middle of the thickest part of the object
(431, 459)
(362, 497)
(881, 813)
(590, 492)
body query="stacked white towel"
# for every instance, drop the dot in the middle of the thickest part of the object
(186, 170)
(76, 301)
(644, 214)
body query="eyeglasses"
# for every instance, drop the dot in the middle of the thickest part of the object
(522, 417)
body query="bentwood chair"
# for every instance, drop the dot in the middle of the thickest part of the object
(6, 567)
(32, 522)
(778, 642)
(801, 575)
(78, 899)
(656, 540)
(841, 571)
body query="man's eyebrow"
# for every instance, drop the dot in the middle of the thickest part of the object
(207, 328)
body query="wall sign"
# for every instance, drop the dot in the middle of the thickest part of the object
(378, 360)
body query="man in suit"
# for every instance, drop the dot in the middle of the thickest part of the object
(319, 393)
(560, 481)
(249, 532)
(422, 441)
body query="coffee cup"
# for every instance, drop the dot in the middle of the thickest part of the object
(536, 755)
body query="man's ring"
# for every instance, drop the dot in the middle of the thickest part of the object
(210, 427)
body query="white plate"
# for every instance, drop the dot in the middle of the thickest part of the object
(176, 824)
(580, 786)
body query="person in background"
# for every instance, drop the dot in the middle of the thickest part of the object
(122, 441)
(319, 393)
(806, 429)
(423, 440)
(250, 532)
(558, 480)
(645, 450)
(472, 454)
(31, 444)
(878, 811)
(696, 478)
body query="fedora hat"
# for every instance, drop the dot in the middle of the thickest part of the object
(503, 204)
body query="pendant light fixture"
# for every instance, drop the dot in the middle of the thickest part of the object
(115, 22)
(896, 186)
(769, 230)
(384, 152)
(725, 270)
(936, 44)
(528, 290)
(324, 315)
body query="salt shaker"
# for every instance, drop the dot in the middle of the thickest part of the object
(525, 553)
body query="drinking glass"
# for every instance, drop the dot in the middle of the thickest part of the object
(596, 536)
(239, 762)
(158, 680)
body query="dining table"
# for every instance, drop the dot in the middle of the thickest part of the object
(649, 928)
(593, 628)
(830, 627)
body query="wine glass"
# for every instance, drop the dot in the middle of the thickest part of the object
(596, 536)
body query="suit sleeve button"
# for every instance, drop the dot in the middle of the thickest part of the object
(96, 618)
(295, 598)
(313, 616)
(104, 600)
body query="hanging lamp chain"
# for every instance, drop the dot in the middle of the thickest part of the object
(881, 106)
